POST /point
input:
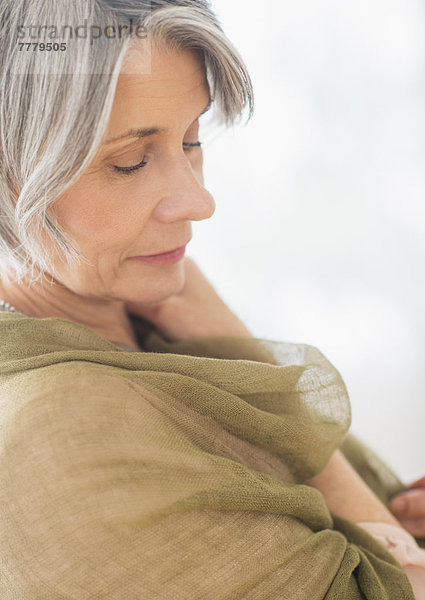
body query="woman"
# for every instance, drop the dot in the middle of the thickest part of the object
(150, 446)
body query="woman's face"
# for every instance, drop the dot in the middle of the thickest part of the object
(117, 214)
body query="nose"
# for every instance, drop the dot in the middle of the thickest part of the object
(182, 194)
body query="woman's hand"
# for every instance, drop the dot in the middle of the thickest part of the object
(197, 311)
(409, 508)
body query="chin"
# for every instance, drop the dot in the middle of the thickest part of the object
(160, 286)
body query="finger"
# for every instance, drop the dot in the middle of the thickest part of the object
(415, 527)
(143, 310)
(418, 483)
(409, 504)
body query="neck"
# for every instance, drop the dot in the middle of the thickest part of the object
(106, 317)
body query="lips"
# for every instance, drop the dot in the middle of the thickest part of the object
(162, 253)
(164, 258)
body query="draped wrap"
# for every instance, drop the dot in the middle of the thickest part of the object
(177, 473)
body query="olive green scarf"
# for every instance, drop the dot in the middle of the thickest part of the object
(177, 473)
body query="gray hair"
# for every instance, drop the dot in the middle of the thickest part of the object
(55, 106)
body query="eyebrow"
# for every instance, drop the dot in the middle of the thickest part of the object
(148, 131)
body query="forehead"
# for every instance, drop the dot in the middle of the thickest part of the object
(174, 78)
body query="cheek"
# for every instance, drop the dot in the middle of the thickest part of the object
(100, 214)
(85, 223)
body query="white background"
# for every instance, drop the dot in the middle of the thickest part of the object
(318, 235)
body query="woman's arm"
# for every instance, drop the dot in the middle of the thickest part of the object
(197, 311)
(347, 495)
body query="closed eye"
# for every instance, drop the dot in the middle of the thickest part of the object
(129, 170)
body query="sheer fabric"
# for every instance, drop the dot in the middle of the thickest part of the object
(175, 473)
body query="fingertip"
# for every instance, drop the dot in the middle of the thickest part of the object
(398, 504)
(418, 483)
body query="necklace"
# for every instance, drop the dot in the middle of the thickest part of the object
(8, 307)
